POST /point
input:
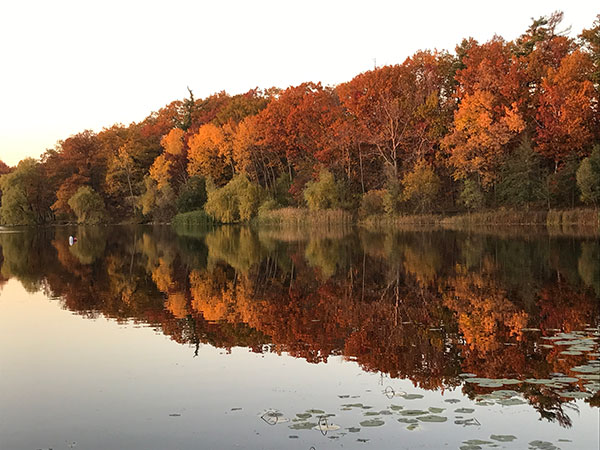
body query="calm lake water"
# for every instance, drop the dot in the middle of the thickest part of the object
(143, 338)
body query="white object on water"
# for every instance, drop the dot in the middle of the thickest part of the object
(71, 240)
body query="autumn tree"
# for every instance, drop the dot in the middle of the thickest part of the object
(567, 117)
(489, 117)
(590, 39)
(4, 169)
(402, 111)
(209, 155)
(421, 185)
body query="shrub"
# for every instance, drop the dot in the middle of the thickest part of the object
(267, 206)
(87, 205)
(237, 201)
(588, 177)
(372, 203)
(323, 193)
(192, 218)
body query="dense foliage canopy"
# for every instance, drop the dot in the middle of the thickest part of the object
(492, 124)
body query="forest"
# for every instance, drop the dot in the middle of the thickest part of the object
(498, 124)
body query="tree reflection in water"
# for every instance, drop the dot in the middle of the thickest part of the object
(424, 306)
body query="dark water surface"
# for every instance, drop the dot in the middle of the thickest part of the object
(143, 338)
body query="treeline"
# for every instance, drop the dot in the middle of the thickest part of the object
(500, 123)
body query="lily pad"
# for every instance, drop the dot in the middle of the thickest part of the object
(315, 411)
(585, 369)
(470, 447)
(576, 394)
(545, 445)
(452, 400)
(477, 442)
(407, 420)
(511, 402)
(435, 410)
(372, 423)
(484, 403)
(303, 426)
(412, 396)
(565, 379)
(353, 405)
(412, 426)
(490, 384)
(303, 415)
(503, 437)
(432, 418)
(477, 380)
(538, 381)
(509, 381)
(464, 410)
(466, 422)
(503, 393)
(353, 429)
(590, 376)
(371, 413)
(326, 427)
(413, 412)
(396, 407)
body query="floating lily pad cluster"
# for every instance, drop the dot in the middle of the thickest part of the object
(576, 343)
(413, 415)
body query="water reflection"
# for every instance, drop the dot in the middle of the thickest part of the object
(442, 309)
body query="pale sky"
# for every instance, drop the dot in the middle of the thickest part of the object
(67, 66)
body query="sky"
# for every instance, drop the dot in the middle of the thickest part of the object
(68, 66)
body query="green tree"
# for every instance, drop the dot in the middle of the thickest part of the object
(237, 201)
(471, 195)
(323, 193)
(562, 184)
(192, 195)
(87, 205)
(25, 198)
(522, 179)
(588, 177)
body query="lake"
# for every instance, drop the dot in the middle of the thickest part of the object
(147, 338)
